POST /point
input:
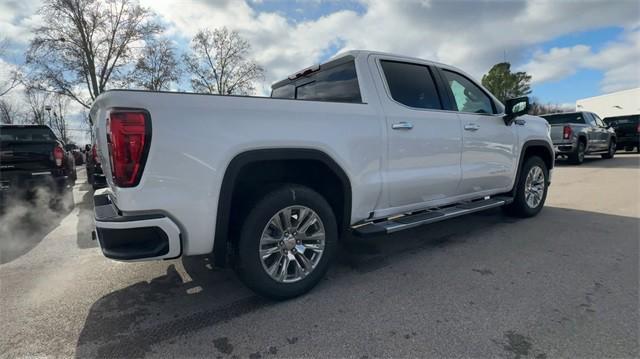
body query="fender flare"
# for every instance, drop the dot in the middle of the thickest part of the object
(525, 146)
(221, 243)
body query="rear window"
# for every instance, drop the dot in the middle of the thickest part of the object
(337, 83)
(622, 120)
(564, 118)
(26, 134)
(411, 84)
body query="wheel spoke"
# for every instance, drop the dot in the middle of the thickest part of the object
(268, 239)
(282, 273)
(304, 262)
(276, 222)
(286, 218)
(273, 269)
(311, 220)
(265, 253)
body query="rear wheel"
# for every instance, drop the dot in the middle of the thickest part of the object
(630, 148)
(531, 189)
(578, 156)
(287, 242)
(611, 151)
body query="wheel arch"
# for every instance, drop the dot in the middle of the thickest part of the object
(530, 148)
(246, 160)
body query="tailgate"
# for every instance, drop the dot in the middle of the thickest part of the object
(28, 156)
(556, 134)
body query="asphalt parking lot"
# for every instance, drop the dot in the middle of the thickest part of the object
(563, 284)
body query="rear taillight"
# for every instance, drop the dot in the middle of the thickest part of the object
(58, 155)
(128, 137)
(566, 132)
(94, 154)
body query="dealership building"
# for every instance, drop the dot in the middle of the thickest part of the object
(619, 103)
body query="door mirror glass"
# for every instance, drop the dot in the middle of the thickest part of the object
(515, 107)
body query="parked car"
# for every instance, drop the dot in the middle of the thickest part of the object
(31, 156)
(95, 176)
(370, 143)
(627, 131)
(78, 156)
(576, 134)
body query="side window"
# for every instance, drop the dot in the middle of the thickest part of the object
(411, 84)
(589, 118)
(468, 97)
(599, 121)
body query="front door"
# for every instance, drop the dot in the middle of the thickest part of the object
(489, 146)
(424, 142)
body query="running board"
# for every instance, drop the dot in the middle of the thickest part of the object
(415, 219)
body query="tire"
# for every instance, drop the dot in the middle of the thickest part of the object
(611, 151)
(250, 266)
(520, 207)
(629, 148)
(577, 158)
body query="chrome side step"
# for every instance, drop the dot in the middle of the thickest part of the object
(415, 219)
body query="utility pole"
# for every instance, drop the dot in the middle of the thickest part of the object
(48, 109)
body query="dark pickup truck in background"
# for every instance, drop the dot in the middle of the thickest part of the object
(576, 134)
(627, 131)
(30, 157)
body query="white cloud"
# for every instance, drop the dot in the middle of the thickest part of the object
(470, 34)
(618, 61)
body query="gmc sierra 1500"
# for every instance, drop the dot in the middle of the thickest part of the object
(368, 142)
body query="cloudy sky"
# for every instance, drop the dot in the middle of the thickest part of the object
(573, 49)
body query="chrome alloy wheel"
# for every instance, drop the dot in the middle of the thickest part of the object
(534, 187)
(292, 244)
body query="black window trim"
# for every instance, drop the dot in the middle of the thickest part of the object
(452, 98)
(442, 99)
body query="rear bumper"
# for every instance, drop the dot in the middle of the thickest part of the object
(136, 237)
(628, 141)
(20, 184)
(562, 148)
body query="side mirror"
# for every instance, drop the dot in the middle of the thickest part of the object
(515, 107)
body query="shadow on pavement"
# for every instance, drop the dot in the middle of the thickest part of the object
(620, 160)
(129, 321)
(25, 222)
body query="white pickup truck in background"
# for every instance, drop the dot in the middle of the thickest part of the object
(368, 142)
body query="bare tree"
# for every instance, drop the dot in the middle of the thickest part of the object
(218, 63)
(84, 45)
(36, 101)
(59, 117)
(9, 112)
(12, 76)
(158, 66)
(538, 108)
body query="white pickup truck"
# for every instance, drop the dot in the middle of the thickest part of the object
(368, 143)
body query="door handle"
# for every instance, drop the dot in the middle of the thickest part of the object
(471, 127)
(403, 125)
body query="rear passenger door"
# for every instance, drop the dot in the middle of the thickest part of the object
(489, 146)
(594, 142)
(603, 132)
(424, 142)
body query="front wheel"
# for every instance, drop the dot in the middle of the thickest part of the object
(611, 151)
(531, 189)
(287, 242)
